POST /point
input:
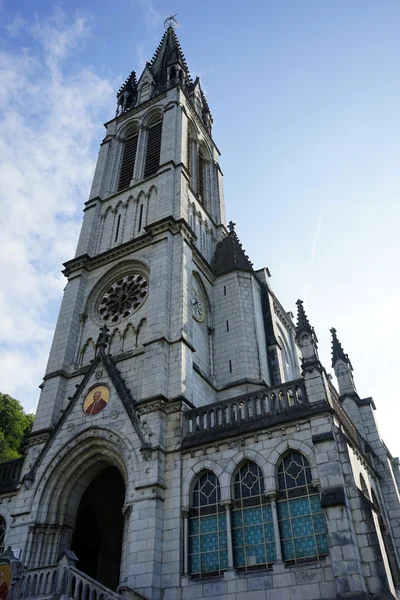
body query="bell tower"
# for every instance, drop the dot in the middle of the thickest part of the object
(155, 207)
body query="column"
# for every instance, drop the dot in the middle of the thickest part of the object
(273, 496)
(227, 504)
(185, 515)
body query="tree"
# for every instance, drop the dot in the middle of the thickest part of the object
(15, 425)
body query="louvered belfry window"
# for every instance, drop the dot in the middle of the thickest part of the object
(153, 149)
(128, 162)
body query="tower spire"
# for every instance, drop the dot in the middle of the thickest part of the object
(303, 324)
(337, 350)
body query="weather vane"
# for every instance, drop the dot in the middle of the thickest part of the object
(170, 21)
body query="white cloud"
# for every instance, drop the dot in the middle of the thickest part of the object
(50, 116)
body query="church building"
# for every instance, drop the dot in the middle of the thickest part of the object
(188, 442)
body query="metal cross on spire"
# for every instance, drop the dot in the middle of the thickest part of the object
(171, 22)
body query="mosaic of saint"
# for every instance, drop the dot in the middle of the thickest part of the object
(96, 400)
(5, 580)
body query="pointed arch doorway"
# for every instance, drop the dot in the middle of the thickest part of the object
(98, 535)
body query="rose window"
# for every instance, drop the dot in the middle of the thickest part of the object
(123, 298)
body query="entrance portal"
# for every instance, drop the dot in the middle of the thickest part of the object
(97, 540)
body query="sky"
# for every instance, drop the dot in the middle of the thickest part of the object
(305, 97)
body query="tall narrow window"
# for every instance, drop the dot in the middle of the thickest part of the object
(208, 553)
(153, 149)
(118, 225)
(140, 217)
(2, 533)
(201, 178)
(190, 159)
(128, 162)
(252, 526)
(301, 521)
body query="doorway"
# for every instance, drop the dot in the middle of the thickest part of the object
(97, 540)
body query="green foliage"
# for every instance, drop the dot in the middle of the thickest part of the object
(15, 425)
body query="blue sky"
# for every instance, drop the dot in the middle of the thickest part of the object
(306, 104)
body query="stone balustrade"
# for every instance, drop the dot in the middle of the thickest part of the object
(245, 413)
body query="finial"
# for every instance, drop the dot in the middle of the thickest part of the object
(337, 350)
(303, 323)
(231, 227)
(103, 338)
(171, 22)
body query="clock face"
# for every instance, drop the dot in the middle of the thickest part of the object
(198, 311)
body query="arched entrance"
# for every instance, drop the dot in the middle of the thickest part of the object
(97, 539)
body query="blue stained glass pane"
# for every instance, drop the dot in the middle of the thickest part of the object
(286, 530)
(194, 544)
(222, 522)
(271, 552)
(238, 538)
(267, 512)
(299, 507)
(223, 558)
(315, 503)
(251, 516)
(255, 555)
(195, 563)
(253, 535)
(322, 544)
(283, 510)
(269, 532)
(223, 539)
(319, 523)
(209, 541)
(209, 562)
(305, 546)
(287, 549)
(236, 518)
(239, 557)
(208, 523)
(194, 525)
(302, 526)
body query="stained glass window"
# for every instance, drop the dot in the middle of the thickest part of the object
(252, 526)
(301, 521)
(2, 532)
(208, 554)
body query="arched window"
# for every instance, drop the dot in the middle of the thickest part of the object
(128, 161)
(208, 554)
(301, 521)
(252, 526)
(153, 149)
(2, 533)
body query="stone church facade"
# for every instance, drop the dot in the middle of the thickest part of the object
(188, 441)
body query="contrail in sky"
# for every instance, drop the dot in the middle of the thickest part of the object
(312, 256)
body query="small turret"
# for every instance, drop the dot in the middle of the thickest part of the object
(307, 339)
(342, 367)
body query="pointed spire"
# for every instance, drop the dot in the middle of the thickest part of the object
(103, 338)
(303, 324)
(337, 350)
(168, 52)
(230, 255)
